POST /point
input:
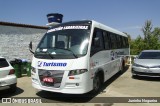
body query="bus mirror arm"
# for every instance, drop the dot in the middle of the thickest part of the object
(30, 47)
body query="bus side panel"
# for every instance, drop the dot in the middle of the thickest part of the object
(100, 61)
(109, 61)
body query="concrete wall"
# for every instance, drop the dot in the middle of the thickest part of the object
(14, 41)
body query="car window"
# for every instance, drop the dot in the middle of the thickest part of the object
(3, 63)
(149, 55)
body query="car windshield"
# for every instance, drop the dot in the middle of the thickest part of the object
(61, 43)
(149, 55)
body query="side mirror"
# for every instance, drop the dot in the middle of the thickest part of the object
(97, 42)
(30, 47)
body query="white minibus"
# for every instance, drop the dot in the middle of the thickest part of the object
(77, 57)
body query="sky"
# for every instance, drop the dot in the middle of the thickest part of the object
(125, 15)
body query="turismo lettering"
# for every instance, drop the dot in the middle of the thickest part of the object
(51, 64)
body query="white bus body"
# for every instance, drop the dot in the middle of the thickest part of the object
(77, 57)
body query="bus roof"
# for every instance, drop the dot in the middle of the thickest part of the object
(105, 27)
(95, 24)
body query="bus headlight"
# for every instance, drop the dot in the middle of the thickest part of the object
(33, 70)
(77, 72)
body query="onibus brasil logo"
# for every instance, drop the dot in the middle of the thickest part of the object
(51, 64)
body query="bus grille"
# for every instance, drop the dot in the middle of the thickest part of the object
(56, 75)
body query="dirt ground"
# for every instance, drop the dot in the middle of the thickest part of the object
(114, 90)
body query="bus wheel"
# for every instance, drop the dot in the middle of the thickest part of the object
(96, 84)
(122, 67)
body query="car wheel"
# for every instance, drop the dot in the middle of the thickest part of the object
(134, 76)
(13, 88)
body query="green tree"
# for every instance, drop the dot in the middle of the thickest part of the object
(137, 45)
(147, 31)
(156, 32)
(151, 39)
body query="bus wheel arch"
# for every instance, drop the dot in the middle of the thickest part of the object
(98, 80)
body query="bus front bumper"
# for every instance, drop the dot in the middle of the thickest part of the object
(67, 89)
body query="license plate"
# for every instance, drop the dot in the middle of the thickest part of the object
(46, 79)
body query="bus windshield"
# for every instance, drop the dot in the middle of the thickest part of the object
(62, 43)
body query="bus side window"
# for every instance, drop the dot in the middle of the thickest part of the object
(106, 40)
(127, 44)
(119, 44)
(123, 41)
(97, 42)
(113, 41)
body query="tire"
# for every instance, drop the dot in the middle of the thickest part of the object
(122, 67)
(134, 76)
(13, 88)
(96, 84)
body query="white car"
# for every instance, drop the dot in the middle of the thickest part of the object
(147, 64)
(8, 79)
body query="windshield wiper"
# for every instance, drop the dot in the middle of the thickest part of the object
(68, 50)
(48, 53)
